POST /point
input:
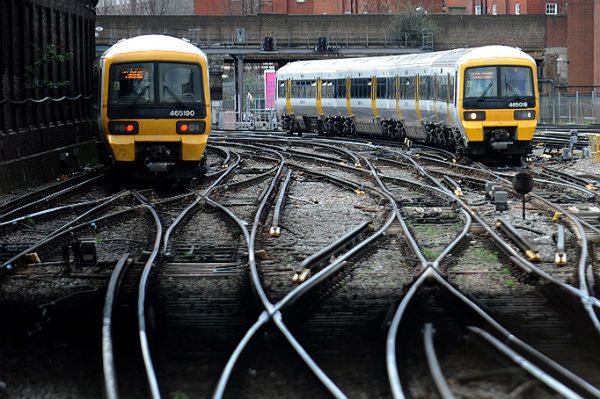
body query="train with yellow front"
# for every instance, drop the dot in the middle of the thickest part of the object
(154, 114)
(476, 101)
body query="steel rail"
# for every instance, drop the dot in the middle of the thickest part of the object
(266, 316)
(197, 200)
(275, 230)
(50, 211)
(13, 207)
(314, 142)
(274, 311)
(538, 373)
(111, 387)
(432, 273)
(67, 228)
(330, 249)
(141, 302)
(587, 300)
(246, 181)
(434, 364)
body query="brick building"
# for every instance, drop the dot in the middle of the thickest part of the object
(504, 7)
(248, 7)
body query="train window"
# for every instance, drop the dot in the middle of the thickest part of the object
(424, 87)
(451, 87)
(481, 82)
(434, 88)
(327, 89)
(281, 89)
(131, 83)
(382, 87)
(312, 89)
(408, 85)
(390, 88)
(361, 88)
(179, 83)
(340, 88)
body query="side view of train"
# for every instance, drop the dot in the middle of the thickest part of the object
(475, 101)
(154, 101)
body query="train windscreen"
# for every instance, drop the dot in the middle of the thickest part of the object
(155, 82)
(499, 86)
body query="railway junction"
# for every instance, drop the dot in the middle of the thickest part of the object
(296, 264)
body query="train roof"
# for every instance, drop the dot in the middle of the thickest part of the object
(152, 43)
(449, 57)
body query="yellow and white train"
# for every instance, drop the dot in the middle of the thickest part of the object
(476, 100)
(155, 112)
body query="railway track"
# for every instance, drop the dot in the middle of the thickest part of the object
(334, 267)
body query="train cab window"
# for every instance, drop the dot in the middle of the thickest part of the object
(481, 82)
(179, 83)
(131, 83)
(516, 81)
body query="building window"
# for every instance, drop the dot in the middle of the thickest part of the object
(551, 9)
(494, 10)
(518, 9)
(477, 10)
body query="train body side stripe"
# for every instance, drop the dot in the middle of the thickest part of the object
(374, 97)
(348, 106)
(288, 97)
(417, 109)
(398, 94)
(448, 100)
(319, 97)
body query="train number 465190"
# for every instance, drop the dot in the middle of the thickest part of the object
(187, 112)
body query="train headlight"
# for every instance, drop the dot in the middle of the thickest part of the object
(475, 116)
(123, 127)
(524, 115)
(191, 127)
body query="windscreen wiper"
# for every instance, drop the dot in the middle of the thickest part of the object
(139, 95)
(175, 96)
(485, 91)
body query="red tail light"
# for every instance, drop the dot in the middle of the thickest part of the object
(123, 127)
(191, 127)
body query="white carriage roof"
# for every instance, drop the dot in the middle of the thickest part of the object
(152, 43)
(439, 57)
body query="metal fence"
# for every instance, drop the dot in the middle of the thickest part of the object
(305, 39)
(577, 108)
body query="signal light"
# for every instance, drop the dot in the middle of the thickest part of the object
(123, 127)
(196, 127)
(268, 44)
